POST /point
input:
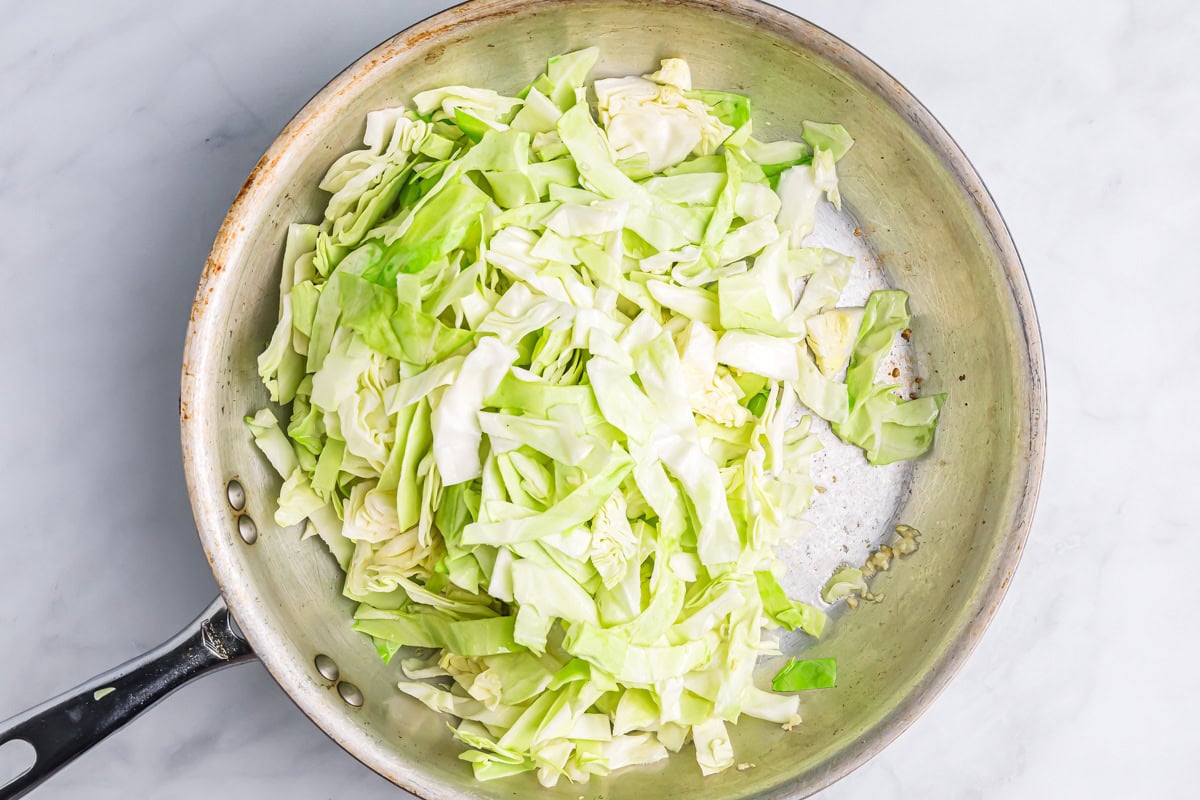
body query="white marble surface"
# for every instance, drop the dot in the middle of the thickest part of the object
(125, 130)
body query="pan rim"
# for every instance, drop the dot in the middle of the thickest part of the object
(231, 242)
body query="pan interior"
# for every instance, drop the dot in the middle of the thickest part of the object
(923, 228)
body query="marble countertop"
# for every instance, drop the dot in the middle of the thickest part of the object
(127, 127)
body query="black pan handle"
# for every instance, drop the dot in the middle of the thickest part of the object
(60, 730)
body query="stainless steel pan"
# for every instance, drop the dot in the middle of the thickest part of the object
(928, 221)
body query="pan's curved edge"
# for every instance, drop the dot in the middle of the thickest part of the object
(230, 243)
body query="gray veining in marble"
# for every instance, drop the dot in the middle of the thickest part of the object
(125, 130)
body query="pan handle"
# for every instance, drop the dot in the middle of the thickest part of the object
(60, 730)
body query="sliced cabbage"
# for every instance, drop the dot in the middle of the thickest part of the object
(831, 335)
(827, 136)
(653, 117)
(551, 376)
(845, 582)
(482, 104)
(801, 675)
(887, 428)
(457, 432)
(790, 614)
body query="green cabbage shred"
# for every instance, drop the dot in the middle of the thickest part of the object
(550, 376)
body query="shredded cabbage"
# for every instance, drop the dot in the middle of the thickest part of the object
(550, 376)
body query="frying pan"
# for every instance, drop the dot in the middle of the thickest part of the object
(924, 221)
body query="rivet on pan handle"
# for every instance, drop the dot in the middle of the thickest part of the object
(62, 729)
